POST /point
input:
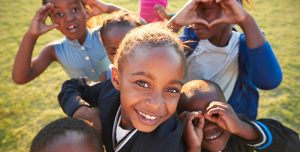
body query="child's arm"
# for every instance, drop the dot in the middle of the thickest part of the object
(193, 132)
(275, 137)
(78, 98)
(222, 114)
(265, 70)
(186, 16)
(100, 7)
(24, 69)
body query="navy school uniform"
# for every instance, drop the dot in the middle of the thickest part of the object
(273, 137)
(77, 92)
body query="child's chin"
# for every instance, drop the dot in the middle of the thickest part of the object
(145, 128)
(218, 144)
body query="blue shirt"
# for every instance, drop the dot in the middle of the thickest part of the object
(88, 60)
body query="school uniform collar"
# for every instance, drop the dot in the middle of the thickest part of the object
(118, 146)
(87, 42)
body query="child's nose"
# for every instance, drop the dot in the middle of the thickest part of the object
(69, 17)
(155, 100)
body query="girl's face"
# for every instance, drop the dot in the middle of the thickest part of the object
(215, 138)
(71, 18)
(209, 12)
(149, 81)
(112, 39)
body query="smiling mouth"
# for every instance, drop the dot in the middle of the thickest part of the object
(71, 27)
(213, 136)
(148, 116)
(148, 119)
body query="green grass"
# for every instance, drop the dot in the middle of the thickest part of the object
(27, 108)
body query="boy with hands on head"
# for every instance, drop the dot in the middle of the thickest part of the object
(212, 125)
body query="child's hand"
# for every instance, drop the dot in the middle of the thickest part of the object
(233, 13)
(97, 7)
(91, 116)
(224, 116)
(188, 15)
(193, 129)
(38, 25)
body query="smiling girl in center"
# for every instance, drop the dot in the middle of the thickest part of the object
(138, 103)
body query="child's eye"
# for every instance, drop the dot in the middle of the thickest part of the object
(143, 84)
(172, 90)
(75, 9)
(59, 14)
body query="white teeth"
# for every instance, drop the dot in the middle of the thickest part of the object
(148, 116)
(213, 136)
(72, 27)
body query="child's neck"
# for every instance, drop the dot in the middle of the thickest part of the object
(82, 38)
(125, 122)
(222, 39)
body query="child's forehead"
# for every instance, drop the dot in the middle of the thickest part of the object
(199, 99)
(62, 2)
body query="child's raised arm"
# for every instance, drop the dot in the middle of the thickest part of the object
(24, 69)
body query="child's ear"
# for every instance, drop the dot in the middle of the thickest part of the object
(115, 77)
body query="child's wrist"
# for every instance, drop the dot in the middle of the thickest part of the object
(247, 19)
(30, 35)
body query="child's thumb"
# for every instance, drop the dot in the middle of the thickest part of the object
(53, 26)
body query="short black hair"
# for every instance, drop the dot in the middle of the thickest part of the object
(195, 87)
(120, 19)
(148, 36)
(59, 128)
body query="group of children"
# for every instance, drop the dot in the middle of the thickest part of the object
(162, 92)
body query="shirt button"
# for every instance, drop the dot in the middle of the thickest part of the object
(87, 58)
(93, 70)
(82, 48)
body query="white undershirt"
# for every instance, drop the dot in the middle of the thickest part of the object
(218, 64)
(120, 132)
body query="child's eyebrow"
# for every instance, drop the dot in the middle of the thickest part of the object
(144, 74)
(148, 75)
(177, 82)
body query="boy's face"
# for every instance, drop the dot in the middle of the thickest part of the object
(71, 17)
(149, 81)
(215, 138)
(209, 12)
(112, 39)
(72, 142)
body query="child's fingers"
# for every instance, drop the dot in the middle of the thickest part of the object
(53, 26)
(201, 21)
(183, 115)
(201, 122)
(44, 11)
(215, 104)
(215, 110)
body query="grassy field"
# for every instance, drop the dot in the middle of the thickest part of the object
(26, 109)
